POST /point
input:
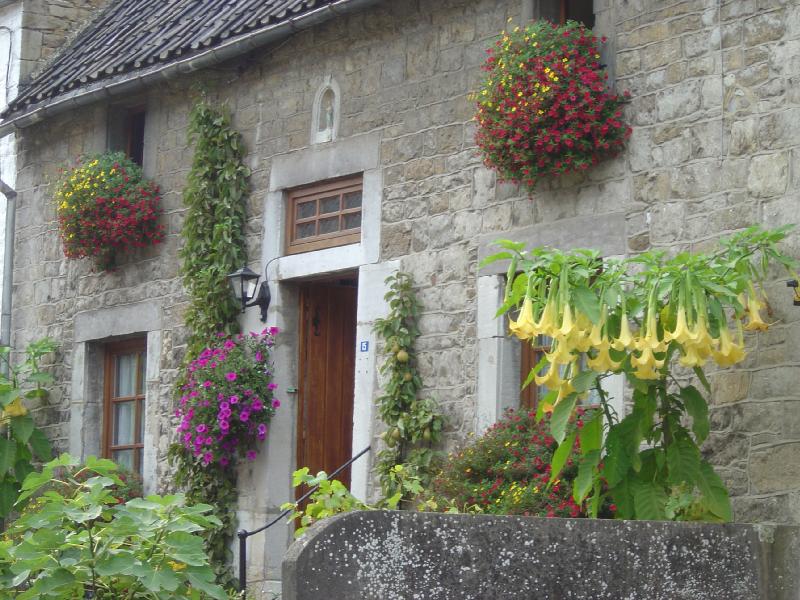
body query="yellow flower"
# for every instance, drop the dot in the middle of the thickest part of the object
(753, 312)
(524, 326)
(625, 339)
(15, 409)
(729, 353)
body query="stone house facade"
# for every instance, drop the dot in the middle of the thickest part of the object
(715, 116)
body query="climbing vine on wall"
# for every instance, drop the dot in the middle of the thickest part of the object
(214, 246)
(214, 228)
(413, 424)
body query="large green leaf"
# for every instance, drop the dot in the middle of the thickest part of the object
(584, 381)
(40, 445)
(561, 455)
(715, 495)
(649, 500)
(22, 428)
(119, 564)
(591, 434)
(587, 302)
(8, 496)
(560, 417)
(8, 453)
(683, 461)
(587, 470)
(697, 408)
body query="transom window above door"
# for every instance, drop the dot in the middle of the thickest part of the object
(123, 407)
(324, 215)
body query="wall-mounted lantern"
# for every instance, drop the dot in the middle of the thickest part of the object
(792, 283)
(244, 283)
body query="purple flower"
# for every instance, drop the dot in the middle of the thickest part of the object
(223, 460)
(224, 425)
(244, 416)
(230, 376)
(207, 458)
(234, 399)
(251, 455)
(276, 403)
(206, 384)
(201, 428)
(272, 386)
(262, 429)
(257, 404)
(259, 356)
(229, 345)
(224, 406)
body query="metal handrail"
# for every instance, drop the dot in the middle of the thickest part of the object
(243, 534)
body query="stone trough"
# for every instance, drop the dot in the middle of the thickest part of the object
(385, 555)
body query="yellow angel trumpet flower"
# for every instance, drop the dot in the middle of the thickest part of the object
(603, 362)
(564, 390)
(647, 359)
(562, 355)
(15, 409)
(524, 326)
(701, 337)
(755, 323)
(681, 333)
(646, 371)
(691, 357)
(552, 379)
(547, 320)
(729, 353)
(625, 339)
(567, 324)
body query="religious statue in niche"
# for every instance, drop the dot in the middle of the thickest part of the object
(325, 116)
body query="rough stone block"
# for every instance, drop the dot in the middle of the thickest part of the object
(384, 555)
(768, 175)
(775, 468)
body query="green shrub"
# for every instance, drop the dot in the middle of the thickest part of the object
(77, 541)
(507, 471)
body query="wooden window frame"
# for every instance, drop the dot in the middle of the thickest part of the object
(317, 192)
(112, 351)
(530, 355)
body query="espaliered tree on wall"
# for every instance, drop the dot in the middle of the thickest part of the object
(654, 319)
(213, 233)
(414, 424)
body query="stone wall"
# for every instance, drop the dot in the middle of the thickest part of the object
(385, 555)
(693, 172)
(48, 24)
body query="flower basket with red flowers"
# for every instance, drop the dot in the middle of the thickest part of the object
(543, 109)
(105, 206)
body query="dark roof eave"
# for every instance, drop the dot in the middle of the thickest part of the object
(140, 78)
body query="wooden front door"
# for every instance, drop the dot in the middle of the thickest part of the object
(327, 376)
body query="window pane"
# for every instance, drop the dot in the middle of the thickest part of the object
(329, 205)
(329, 225)
(126, 376)
(352, 199)
(123, 458)
(352, 221)
(124, 423)
(306, 210)
(305, 230)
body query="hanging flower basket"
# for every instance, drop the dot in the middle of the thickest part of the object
(543, 109)
(228, 399)
(105, 207)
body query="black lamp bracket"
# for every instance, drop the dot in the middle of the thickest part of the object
(262, 300)
(792, 283)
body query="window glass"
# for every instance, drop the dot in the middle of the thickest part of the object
(124, 409)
